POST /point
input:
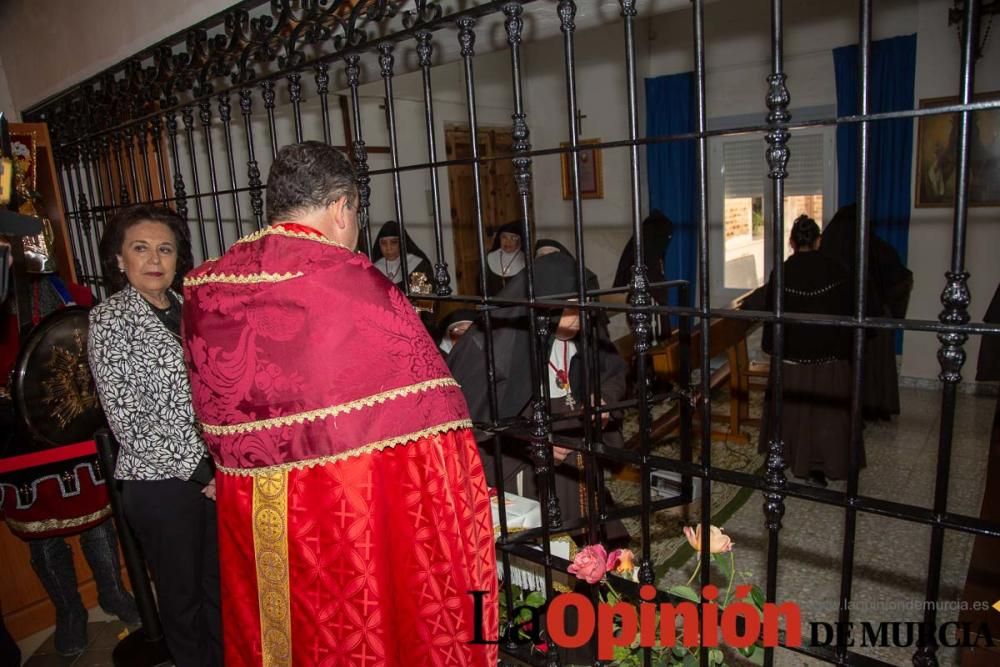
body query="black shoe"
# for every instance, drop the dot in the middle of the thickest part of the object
(817, 479)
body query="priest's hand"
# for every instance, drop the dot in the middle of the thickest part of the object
(209, 490)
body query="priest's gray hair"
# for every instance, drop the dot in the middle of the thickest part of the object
(307, 176)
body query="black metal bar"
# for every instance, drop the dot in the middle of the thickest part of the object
(777, 160)
(180, 197)
(205, 116)
(156, 131)
(188, 115)
(88, 181)
(268, 87)
(323, 90)
(425, 51)
(142, 138)
(594, 472)
(117, 145)
(76, 243)
(90, 251)
(386, 61)
(128, 149)
(107, 158)
(955, 299)
(253, 170)
(225, 116)
(704, 297)
(295, 95)
(860, 298)
(360, 156)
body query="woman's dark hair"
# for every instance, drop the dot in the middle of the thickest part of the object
(805, 232)
(114, 239)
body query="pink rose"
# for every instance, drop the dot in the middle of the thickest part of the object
(590, 564)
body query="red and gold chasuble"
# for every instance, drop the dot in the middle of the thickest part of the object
(353, 512)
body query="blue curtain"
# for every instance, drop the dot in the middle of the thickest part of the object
(671, 169)
(893, 67)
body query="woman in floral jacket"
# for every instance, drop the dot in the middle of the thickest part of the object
(168, 485)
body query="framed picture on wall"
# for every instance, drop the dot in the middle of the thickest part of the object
(591, 175)
(937, 155)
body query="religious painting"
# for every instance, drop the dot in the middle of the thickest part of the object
(937, 155)
(591, 175)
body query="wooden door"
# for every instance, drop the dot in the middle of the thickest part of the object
(499, 199)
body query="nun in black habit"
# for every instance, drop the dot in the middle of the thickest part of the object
(816, 392)
(888, 286)
(386, 257)
(554, 274)
(657, 231)
(506, 257)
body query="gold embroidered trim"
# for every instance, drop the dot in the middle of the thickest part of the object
(56, 524)
(247, 279)
(270, 541)
(279, 231)
(388, 443)
(331, 411)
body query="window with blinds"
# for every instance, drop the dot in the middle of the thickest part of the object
(745, 186)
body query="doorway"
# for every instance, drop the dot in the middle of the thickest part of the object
(500, 201)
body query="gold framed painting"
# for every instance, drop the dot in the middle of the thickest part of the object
(937, 155)
(591, 174)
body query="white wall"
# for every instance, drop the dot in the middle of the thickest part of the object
(48, 46)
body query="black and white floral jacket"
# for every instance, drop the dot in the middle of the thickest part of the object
(138, 366)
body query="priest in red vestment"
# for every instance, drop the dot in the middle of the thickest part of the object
(353, 513)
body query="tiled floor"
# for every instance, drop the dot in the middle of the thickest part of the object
(891, 556)
(103, 635)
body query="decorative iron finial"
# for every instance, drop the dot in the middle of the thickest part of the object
(514, 25)
(425, 48)
(567, 15)
(467, 36)
(386, 60)
(955, 298)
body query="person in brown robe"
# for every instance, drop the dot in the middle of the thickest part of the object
(889, 284)
(816, 408)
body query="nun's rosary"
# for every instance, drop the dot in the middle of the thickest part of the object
(392, 274)
(505, 269)
(562, 377)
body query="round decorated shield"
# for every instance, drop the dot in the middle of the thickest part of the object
(54, 395)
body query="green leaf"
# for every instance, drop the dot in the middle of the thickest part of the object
(535, 599)
(690, 661)
(757, 596)
(757, 657)
(685, 592)
(516, 592)
(715, 657)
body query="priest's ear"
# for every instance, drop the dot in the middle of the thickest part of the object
(344, 210)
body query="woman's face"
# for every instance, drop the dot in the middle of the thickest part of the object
(149, 257)
(510, 243)
(390, 247)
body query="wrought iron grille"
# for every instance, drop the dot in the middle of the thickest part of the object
(160, 128)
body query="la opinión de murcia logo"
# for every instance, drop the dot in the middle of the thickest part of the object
(740, 625)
